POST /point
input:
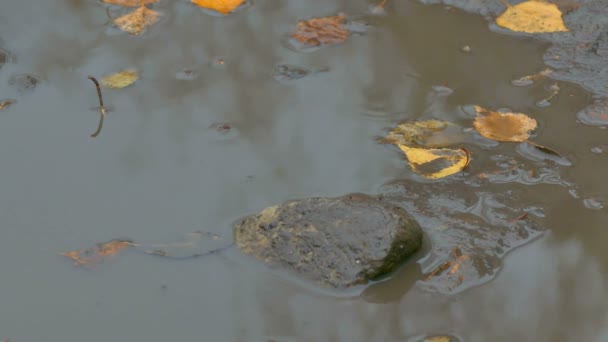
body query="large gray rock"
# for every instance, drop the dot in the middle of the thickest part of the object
(340, 242)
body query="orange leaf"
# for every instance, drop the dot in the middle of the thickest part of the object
(95, 255)
(322, 31)
(129, 3)
(222, 6)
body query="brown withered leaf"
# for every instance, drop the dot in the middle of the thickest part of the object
(95, 255)
(503, 126)
(322, 31)
(129, 3)
(135, 22)
(4, 104)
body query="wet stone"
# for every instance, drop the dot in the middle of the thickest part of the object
(337, 242)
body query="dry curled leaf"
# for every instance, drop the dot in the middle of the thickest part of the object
(503, 126)
(322, 31)
(120, 79)
(129, 3)
(534, 16)
(222, 6)
(91, 256)
(436, 163)
(136, 21)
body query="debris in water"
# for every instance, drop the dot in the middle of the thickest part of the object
(322, 31)
(466, 49)
(593, 203)
(532, 17)
(129, 3)
(436, 163)
(546, 102)
(529, 79)
(503, 126)
(222, 6)
(102, 109)
(120, 79)
(95, 255)
(136, 22)
(4, 104)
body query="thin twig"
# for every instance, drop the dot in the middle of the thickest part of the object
(468, 158)
(102, 109)
(506, 4)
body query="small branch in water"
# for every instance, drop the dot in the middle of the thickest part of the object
(468, 158)
(520, 217)
(506, 4)
(102, 109)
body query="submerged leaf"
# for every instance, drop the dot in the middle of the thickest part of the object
(435, 163)
(222, 6)
(534, 16)
(503, 126)
(91, 256)
(416, 133)
(136, 21)
(4, 104)
(120, 79)
(322, 31)
(129, 3)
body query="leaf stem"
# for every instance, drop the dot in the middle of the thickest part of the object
(102, 109)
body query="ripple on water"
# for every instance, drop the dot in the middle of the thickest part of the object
(595, 114)
(470, 230)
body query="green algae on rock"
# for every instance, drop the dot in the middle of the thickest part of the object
(338, 242)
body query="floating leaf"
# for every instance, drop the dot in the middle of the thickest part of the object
(437, 339)
(417, 133)
(91, 256)
(4, 104)
(322, 31)
(120, 79)
(529, 79)
(136, 21)
(503, 126)
(129, 3)
(435, 163)
(534, 16)
(222, 6)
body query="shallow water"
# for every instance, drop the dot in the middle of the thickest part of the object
(164, 166)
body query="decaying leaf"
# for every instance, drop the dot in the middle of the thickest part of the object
(91, 256)
(529, 79)
(533, 16)
(322, 31)
(136, 21)
(416, 133)
(503, 126)
(436, 163)
(129, 3)
(120, 79)
(4, 104)
(222, 6)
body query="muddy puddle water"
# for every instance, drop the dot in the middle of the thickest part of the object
(226, 119)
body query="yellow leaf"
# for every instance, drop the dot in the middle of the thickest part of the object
(120, 79)
(534, 16)
(435, 163)
(136, 21)
(129, 3)
(6, 103)
(222, 6)
(503, 126)
(322, 31)
(428, 133)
